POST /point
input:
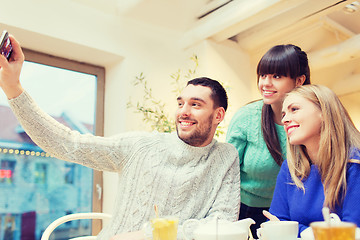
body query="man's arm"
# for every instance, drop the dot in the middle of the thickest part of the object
(227, 203)
(58, 140)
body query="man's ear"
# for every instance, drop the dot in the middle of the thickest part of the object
(300, 80)
(219, 115)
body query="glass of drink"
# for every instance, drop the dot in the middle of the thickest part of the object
(333, 231)
(164, 228)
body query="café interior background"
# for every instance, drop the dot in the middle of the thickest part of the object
(157, 37)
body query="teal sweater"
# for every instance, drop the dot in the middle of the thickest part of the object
(258, 169)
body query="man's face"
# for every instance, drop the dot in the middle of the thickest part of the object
(196, 117)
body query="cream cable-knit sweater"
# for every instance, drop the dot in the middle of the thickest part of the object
(153, 168)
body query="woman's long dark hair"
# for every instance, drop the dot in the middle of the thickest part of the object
(284, 60)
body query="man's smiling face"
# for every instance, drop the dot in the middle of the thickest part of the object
(195, 121)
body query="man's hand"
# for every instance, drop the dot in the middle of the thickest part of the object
(10, 70)
(139, 235)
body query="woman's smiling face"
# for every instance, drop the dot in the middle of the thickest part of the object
(273, 87)
(302, 121)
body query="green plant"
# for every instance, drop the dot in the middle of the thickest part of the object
(153, 109)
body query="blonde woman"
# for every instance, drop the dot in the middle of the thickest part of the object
(323, 156)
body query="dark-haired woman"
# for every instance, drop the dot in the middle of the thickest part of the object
(257, 132)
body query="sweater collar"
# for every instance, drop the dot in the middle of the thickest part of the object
(192, 148)
(184, 152)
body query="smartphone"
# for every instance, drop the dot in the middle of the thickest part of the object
(5, 45)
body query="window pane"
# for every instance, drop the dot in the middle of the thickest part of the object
(7, 171)
(40, 173)
(36, 188)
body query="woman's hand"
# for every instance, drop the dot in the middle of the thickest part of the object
(10, 70)
(270, 216)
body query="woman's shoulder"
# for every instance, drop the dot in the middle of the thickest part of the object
(284, 172)
(252, 108)
(284, 166)
(254, 105)
(248, 116)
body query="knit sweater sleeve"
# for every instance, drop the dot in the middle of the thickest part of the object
(61, 142)
(279, 205)
(227, 203)
(226, 206)
(280, 202)
(237, 131)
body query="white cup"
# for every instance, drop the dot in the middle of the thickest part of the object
(278, 230)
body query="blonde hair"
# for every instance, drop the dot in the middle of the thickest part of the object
(337, 137)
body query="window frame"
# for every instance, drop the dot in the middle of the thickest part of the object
(46, 59)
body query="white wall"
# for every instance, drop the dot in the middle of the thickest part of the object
(125, 48)
(231, 66)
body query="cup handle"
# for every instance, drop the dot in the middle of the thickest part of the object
(258, 232)
(334, 217)
(185, 228)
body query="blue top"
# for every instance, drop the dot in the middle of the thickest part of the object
(291, 203)
(258, 168)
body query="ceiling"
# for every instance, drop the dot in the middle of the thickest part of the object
(329, 34)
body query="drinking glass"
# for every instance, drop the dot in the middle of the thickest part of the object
(163, 228)
(333, 231)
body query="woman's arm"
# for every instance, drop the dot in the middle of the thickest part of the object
(350, 209)
(236, 133)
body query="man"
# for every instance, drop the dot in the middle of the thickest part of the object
(188, 174)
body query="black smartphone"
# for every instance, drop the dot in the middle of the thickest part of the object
(5, 45)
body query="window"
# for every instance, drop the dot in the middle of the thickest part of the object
(50, 188)
(40, 173)
(7, 171)
(69, 173)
